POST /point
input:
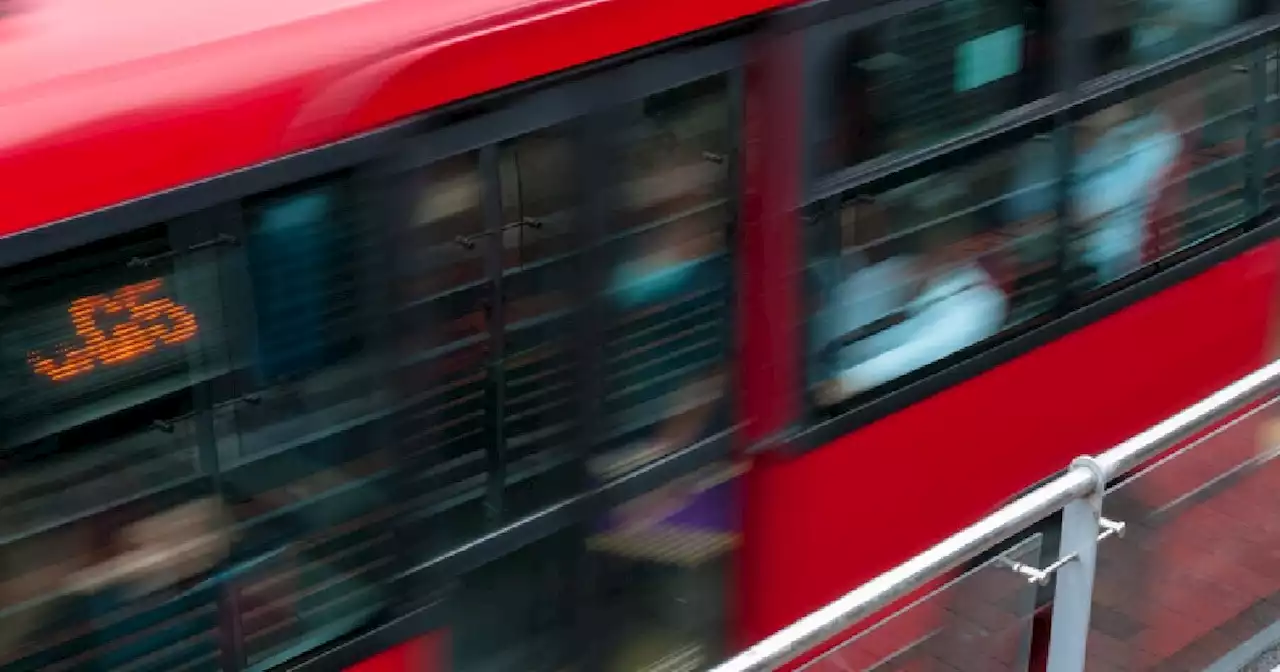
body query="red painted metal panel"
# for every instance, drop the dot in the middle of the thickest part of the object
(833, 518)
(427, 653)
(78, 134)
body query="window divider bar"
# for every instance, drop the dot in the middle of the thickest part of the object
(598, 147)
(495, 316)
(381, 213)
(1255, 138)
(597, 165)
(736, 187)
(231, 648)
(1072, 63)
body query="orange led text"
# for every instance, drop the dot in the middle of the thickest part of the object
(116, 328)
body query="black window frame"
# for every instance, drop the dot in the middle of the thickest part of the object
(1057, 114)
(214, 210)
(589, 101)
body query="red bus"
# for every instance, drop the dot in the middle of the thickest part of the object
(598, 335)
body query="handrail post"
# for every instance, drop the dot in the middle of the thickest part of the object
(1073, 594)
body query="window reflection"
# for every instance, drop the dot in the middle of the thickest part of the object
(541, 271)
(665, 344)
(108, 523)
(912, 275)
(927, 74)
(485, 331)
(302, 436)
(659, 562)
(440, 330)
(647, 591)
(1152, 174)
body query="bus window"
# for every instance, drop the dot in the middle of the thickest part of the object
(913, 274)
(304, 453)
(441, 332)
(660, 561)
(1156, 173)
(108, 518)
(927, 74)
(668, 284)
(540, 288)
(309, 361)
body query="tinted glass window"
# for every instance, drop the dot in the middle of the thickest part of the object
(302, 435)
(442, 342)
(540, 267)
(909, 276)
(108, 519)
(656, 344)
(488, 368)
(1158, 173)
(927, 74)
(660, 562)
(667, 293)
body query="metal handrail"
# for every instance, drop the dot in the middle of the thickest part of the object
(820, 626)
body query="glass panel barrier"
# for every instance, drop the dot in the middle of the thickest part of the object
(979, 622)
(1194, 578)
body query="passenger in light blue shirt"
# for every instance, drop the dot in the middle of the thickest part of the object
(1117, 177)
(941, 302)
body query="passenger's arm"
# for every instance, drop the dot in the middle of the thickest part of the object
(944, 329)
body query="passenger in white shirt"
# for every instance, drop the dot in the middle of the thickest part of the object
(944, 302)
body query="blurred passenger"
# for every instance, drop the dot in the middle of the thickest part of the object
(869, 279)
(51, 582)
(663, 265)
(1122, 157)
(953, 301)
(163, 550)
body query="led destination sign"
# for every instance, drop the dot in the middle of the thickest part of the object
(115, 328)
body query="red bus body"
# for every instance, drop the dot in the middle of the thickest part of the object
(1124, 373)
(177, 93)
(195, 93)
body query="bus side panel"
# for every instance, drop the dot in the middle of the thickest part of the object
(823, 523)
(427, 653)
